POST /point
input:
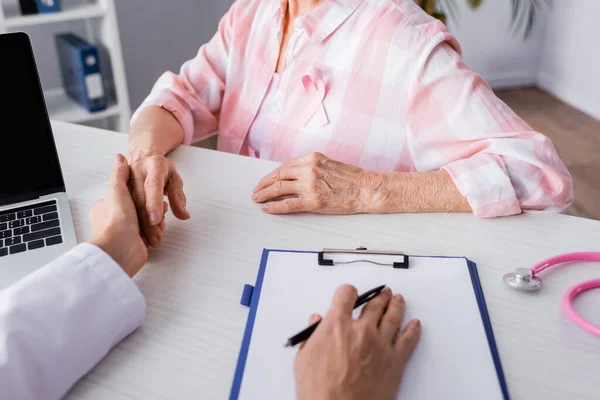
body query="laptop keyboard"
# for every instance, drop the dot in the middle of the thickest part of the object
(29, 228)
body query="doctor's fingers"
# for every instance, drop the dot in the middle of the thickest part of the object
(97, 210)
(407, 341)
(313, 319)
(343, 303)
(119, 176)
(373, 311)
(392, 319)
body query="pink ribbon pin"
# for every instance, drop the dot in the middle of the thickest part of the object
(315, 93)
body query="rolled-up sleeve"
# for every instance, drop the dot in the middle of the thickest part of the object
(456, 124)
(194, 96)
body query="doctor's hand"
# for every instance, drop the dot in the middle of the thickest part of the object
(356, 359)
(318, 184)
(152, 177)
(115, 223)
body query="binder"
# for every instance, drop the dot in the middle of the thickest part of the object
(29, 7)
(437, 290)
(81, 72)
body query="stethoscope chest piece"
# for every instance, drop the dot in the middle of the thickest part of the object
(523, 279)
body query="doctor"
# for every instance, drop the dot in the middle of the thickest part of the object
(60, 321)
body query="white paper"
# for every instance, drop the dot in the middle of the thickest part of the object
(452, 361)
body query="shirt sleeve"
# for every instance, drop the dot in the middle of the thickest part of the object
(61, 320)
(195, 95)
(456, 123)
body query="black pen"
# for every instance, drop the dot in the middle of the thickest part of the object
(305, 334)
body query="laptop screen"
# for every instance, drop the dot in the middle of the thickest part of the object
(29, 165)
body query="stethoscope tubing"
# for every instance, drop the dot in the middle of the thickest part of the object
(564, 258)
(576, 290)
(572, 314)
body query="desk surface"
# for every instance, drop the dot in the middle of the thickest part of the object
(189, 343)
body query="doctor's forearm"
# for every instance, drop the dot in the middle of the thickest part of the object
(416, 192)
(61, 320)
(154, 131)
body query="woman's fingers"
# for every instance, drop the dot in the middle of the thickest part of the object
(407, 341)
(392, 319)
(154, 187)
(373, 311)
(151, 179)
(286, 206)
(136, 181)
(152, 234)
(286, 171)
(177, 198)
(278, 189)
(162, 224)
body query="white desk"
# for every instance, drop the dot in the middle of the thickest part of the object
(188, 346)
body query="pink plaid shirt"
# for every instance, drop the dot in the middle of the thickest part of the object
(380, 85)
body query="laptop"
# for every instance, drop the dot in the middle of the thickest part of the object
(35, 219)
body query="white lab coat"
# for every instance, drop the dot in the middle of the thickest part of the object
(60, 321)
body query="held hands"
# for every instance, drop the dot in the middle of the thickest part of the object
(315, 183)
(152, 177)
(356, 359)
(115, 223)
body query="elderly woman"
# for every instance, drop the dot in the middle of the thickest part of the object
(367, 104)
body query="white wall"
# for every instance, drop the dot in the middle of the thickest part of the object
(160, 35)
(570, 60)
(492, 49)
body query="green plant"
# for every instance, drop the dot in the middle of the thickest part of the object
(524, 12)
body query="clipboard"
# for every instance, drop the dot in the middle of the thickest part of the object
(252, 294)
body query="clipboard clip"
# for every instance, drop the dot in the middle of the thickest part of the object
(403, 264)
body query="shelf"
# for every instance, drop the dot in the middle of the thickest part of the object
(99, 19)
(62, 108)
(14, 19)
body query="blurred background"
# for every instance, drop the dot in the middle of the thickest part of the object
(540, 56)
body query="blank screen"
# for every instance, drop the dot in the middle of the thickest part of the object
(28, 158)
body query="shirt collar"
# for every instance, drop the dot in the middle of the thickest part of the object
(326, 18)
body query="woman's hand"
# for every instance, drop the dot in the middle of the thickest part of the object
(152, 177)
(115, 222)
(356, 359)
(315, 183)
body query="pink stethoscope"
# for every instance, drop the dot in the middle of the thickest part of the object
(526, 279)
